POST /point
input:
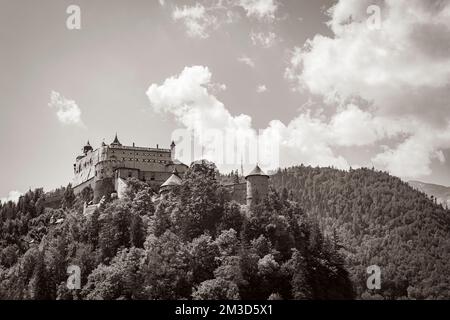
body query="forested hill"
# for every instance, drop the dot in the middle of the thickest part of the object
(192, 243)
(380, 220)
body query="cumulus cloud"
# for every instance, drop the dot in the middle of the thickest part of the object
(187, 98)
(306, 139)
(12, 196)
(261, 88)
(401, 69)
(67, 111)
(246, 60)
(197, 20)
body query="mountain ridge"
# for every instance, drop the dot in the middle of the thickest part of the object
(439, 192)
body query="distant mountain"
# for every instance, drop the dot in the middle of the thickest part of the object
(441, 193)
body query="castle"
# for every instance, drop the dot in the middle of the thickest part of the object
(107, 169)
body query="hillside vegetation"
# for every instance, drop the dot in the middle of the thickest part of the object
(193, 244)
(379, 220)
(313, 237)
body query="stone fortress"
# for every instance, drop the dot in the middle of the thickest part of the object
(107, 169)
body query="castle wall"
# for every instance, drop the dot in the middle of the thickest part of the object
(144, 159)
(238, 192)
(103, 187)
(89, 183)
(120, 186)
(84, 168)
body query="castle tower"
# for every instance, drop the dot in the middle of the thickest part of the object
(87, 148)
(257, 185)
(173, 181)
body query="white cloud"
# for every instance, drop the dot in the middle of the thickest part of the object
(68, 112)
(12, 196)
(261, 88)
(197, 19)
(186, 96)
(264, 39)
(306, 139)
(162, 2)
(260, 9)
(401, 69)
(246, 60)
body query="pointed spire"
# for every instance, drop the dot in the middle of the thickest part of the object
(257, 172)
(172, 145)
(116, 141)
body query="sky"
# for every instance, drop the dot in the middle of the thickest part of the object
(323, 83)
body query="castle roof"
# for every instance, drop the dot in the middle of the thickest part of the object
(174, 180)
(116, 141)
(256, 172)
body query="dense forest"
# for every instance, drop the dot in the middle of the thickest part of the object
(379, 220)
(194, 243)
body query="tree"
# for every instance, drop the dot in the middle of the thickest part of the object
(120, 280)
(204, 250)
(216, 289)
(68, 198)
(167, 272)
(39, 284)
(137, 232)
(142, 203)
(87, 194)
(199, 203)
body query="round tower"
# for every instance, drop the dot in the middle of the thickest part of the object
(104, 180)
(173, 181)
(257, 185)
